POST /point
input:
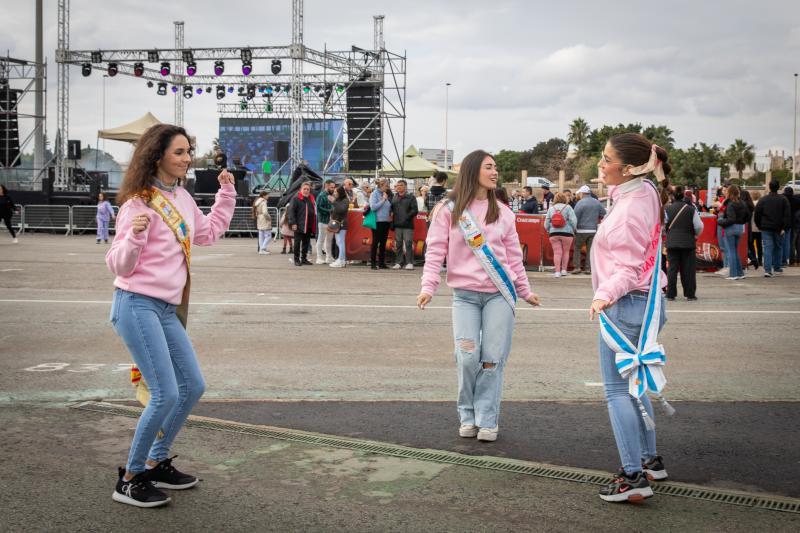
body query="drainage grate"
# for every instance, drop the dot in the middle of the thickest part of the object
(514, 466)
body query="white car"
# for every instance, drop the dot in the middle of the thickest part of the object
(795, 185)
(538, 182)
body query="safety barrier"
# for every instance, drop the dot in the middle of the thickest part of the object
(48, 217)
(84, 219)
(16, 221)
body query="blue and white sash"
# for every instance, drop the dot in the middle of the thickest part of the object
(488, 260)
(642, 365)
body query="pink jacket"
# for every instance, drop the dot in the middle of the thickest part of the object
(152, 262)
(625, 246)
(464, 271)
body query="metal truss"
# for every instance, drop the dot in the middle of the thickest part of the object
(62, 100)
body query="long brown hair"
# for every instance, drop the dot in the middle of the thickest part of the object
(734, 194)
(634, 149)
(150, 149)
(466, 187)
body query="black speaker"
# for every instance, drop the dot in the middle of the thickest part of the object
(242, 187)
(281, 151)
(9, 127)
(364, 126)
(73, 149)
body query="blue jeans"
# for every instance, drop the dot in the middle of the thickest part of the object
(773, 250)
(340, 243)
(635, 443)
(161, 349)
(733, 234)
(483, 324)
(786, 254)
(723, 245)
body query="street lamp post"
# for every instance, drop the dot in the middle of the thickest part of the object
(446, 110)
(104, 108)
(794, 132)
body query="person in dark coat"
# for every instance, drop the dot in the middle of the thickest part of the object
(404, 211)
(733, 222)
(683, 227)
(303, 221)
(773, 217)
(7, 209)
(530, 205)
(790, 237)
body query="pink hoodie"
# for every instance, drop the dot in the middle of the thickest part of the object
(624, 248)
(464, 271)
(152, 262)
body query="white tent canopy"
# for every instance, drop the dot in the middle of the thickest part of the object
(414, 166)
(130, 132)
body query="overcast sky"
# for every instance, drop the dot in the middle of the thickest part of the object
(521, 71)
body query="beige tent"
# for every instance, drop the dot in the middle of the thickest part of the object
(130, 132)
(414, 166)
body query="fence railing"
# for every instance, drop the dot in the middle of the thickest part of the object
(84, 219)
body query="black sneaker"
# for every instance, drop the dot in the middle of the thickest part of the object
(166, 476)
(627, 488)
(654, 469)
(139, 491)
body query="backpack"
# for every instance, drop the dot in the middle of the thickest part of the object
(558, 220)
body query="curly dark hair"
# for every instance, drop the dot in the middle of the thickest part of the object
(143, 168)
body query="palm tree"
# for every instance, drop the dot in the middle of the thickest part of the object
(578, 134)
(741, 155)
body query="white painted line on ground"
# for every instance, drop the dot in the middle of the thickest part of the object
(11, 270)
(372, 306)
(592, 384)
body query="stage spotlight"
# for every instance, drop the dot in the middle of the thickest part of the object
(221, 92)
(339, 88)
(165, 68)
(162, 88)
(174, 88)
(230, 89)
(219, 68)
(268, 90)
(208, 89)
(251, 91)
(188, 56)
(138, 69)
(199, 90)
(187, 91)
(241, 91)
(306, 89)
(287, 88)
(243, 105)
(246, 55)
(268, 107)
(152, 56)
(276, 66)
(247, 68)
(149, 84)
(86, 69)
(112, 69)
(97, 57)
(191, 68)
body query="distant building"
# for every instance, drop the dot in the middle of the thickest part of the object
(436, 156)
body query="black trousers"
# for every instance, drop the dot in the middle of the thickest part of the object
(681, 260)
(301, 244)
(379, 236)
(7, 220)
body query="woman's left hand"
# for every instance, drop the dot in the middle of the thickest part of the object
(597, 306)
(533, 299)
(225, 177)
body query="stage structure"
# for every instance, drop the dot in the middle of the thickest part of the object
(365, 88)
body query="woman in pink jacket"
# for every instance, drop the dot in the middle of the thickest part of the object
(157, 225)
(623, 263)
(477, 235)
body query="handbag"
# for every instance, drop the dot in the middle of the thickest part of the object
(370, 220)
(334, 226)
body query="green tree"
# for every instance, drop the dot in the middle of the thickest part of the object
(599, 137)
(508, 164)
(741, 155)
(547, 158)
(660, 135)
(690, 166)
(579, 135)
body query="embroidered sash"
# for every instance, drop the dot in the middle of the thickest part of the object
(485, 255)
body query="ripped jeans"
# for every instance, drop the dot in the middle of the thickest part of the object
(483, 324)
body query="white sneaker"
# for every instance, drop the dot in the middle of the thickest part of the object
(263, 252)
(329, 261)
(397, 266)
(467, 430)
(488, 434)
(15, 240)
(319, 261)
(557, 274)
(409, 267)
(724, 272)
(563, 272)
(336, 264)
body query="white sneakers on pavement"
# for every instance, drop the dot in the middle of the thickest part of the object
(409, 267)
(488, 434)
(468, 431)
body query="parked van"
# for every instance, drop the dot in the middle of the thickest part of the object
(538, 182)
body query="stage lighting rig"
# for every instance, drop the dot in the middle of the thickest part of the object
(199, 90)
(247, 68)
(247, 61)
(208, 89)
(276, 66)
(138, 69)
(112, 69)
(97, 57)
(188, 56)
(306, 89)
(230, 89)
(251, 91)
(152, 56)
(220, 92)
(174, 88)
(165, 68)
(187, 91)
(162, 89)
(219, 68)
(86, 69)
(149, 84)
(191, 68)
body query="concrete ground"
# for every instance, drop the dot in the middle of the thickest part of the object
(265, 330)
